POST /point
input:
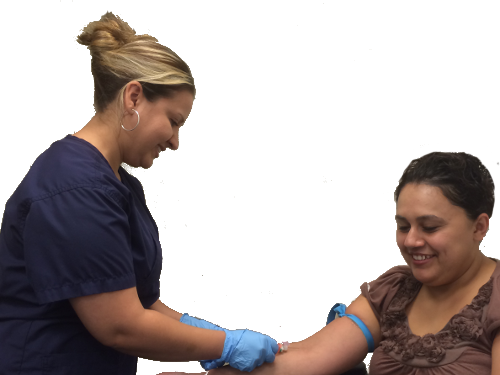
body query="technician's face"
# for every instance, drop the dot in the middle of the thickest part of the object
(159, 128)
(434, 236)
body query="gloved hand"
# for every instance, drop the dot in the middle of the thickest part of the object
(200, 323)
(244, 350)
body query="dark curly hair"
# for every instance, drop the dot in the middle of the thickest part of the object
(462, 178)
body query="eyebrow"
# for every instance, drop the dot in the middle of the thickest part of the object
(420, 218)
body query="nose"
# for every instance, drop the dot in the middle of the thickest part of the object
(173, 142)
(413, 239)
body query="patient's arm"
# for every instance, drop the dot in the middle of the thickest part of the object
(335, 349)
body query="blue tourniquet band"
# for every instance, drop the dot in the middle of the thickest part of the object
(338, 310)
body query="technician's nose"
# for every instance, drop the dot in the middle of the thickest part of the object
(173, 142)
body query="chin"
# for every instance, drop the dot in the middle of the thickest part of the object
(426, 277)
(146, 164)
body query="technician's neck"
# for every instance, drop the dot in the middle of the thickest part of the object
(100, 135)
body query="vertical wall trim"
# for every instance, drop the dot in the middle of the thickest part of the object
(337, 230)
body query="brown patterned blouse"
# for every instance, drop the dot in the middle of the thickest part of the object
(463, 346)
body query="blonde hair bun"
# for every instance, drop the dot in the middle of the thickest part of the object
(107, 34)
(119, 56)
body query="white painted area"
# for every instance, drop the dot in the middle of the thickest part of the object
(275, 248)
(61, 87)
(82, 11)
(51, 87)
(405, 78)
(14, 131)
(334, 163)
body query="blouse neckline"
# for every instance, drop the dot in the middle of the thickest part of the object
(465, 326)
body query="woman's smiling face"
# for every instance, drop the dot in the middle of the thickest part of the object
(158, 128)
(435, 237)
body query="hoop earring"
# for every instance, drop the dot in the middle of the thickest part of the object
(129, 130)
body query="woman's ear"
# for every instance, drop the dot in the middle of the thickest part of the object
(481, 226)
(131, 95)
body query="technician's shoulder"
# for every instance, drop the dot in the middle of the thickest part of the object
(70, 163)
(70, 173)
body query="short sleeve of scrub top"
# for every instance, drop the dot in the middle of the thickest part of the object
(77, 243)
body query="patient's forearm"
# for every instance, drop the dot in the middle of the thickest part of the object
(335, 349)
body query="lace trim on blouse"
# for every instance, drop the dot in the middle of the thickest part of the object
(464, 326)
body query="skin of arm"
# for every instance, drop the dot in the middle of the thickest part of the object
(335, 349)
(165, 310)
(118, 319)
(495, 356)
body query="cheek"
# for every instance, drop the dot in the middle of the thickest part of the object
(440, 243)
(400, 239)
(162, 133)
(151, 139)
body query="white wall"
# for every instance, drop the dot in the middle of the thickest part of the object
(14, 131)
(272, 172)
(82, 11)
(60, 85)
(404, 77)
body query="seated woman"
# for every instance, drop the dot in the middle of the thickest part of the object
(440, 314)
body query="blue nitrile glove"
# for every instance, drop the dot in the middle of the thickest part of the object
(200, 323)
(244, 350)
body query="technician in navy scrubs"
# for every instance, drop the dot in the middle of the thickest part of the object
(80, 257)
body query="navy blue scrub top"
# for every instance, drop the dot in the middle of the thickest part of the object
(71, 229)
